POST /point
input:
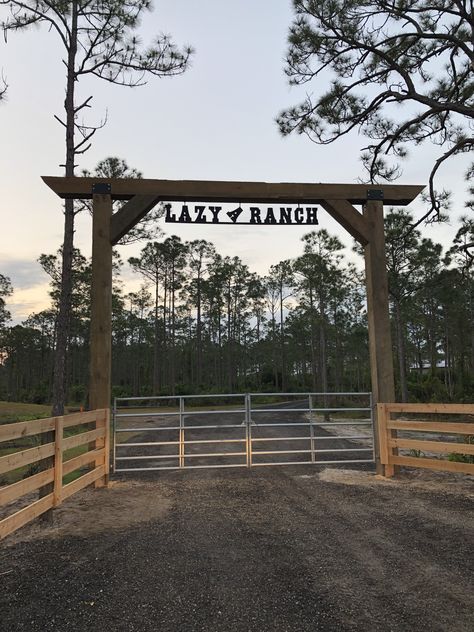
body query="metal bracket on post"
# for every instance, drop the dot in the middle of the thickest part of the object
(101, 188)
(374, 194)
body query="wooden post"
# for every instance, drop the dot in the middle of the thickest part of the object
(101, 307)
(101, 311)
(103, 421)
(382, 417)
(380, 338)
(58, 461)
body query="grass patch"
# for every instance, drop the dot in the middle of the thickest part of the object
(10, 412)
(17, 411)
(72, 476)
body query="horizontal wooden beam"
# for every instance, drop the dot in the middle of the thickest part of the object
(9, 432)
(455, 409)
(433, 464)
(82, 438)
(25, 457)
(82, 481)
(432, 446)
(78, 419)
(21, 429)
(83, 459)
(25, 515)
(25, 486)
(428, 426)
(214, 191)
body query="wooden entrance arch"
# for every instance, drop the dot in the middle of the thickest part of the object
(367, 227)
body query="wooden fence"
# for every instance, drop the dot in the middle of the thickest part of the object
(45, 464)
(391, 443)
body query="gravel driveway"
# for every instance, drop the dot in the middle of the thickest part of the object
(270, 549)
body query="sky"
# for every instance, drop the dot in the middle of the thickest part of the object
(215, 122)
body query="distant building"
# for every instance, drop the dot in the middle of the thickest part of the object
(426, 368)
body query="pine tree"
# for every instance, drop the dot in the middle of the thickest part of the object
(98, 39)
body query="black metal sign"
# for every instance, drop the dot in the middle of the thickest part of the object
(197, 214)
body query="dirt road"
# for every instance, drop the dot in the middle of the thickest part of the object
(270, 549)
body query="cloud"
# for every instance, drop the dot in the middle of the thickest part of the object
(20, 311)
(30, 287)
(23, 303)
(23, 273)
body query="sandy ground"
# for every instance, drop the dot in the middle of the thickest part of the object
(272, 549)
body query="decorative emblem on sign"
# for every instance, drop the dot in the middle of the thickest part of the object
(255, 215)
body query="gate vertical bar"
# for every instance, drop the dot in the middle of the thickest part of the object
(372, 425)
(250, 429)
(114, 433)
(248, 432)
(181, 432)
(311, 428)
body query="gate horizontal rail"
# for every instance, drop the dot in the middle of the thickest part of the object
(187, 438)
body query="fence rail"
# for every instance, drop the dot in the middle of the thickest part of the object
(391, 443)
(54, 471)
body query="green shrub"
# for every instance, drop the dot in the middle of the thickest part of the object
(77, 394)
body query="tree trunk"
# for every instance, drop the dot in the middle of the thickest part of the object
(323, 361)
(401, 352)
(313, 343)
(173, 326)
(432, 340)
(165, 340)
(156, 350)
(282, 341)
(273, 354)
(63, 321)
(199, 332)
(338, 354)
(322, 354)
(447, 362)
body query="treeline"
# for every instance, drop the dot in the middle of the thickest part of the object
(202, 322)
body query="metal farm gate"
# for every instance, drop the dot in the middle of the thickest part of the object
(244, 430)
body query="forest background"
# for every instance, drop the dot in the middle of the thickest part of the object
(204, 321)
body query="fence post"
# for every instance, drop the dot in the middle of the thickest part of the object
(58, 461)
(102, 421)
(107, 448)
(382, 414)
